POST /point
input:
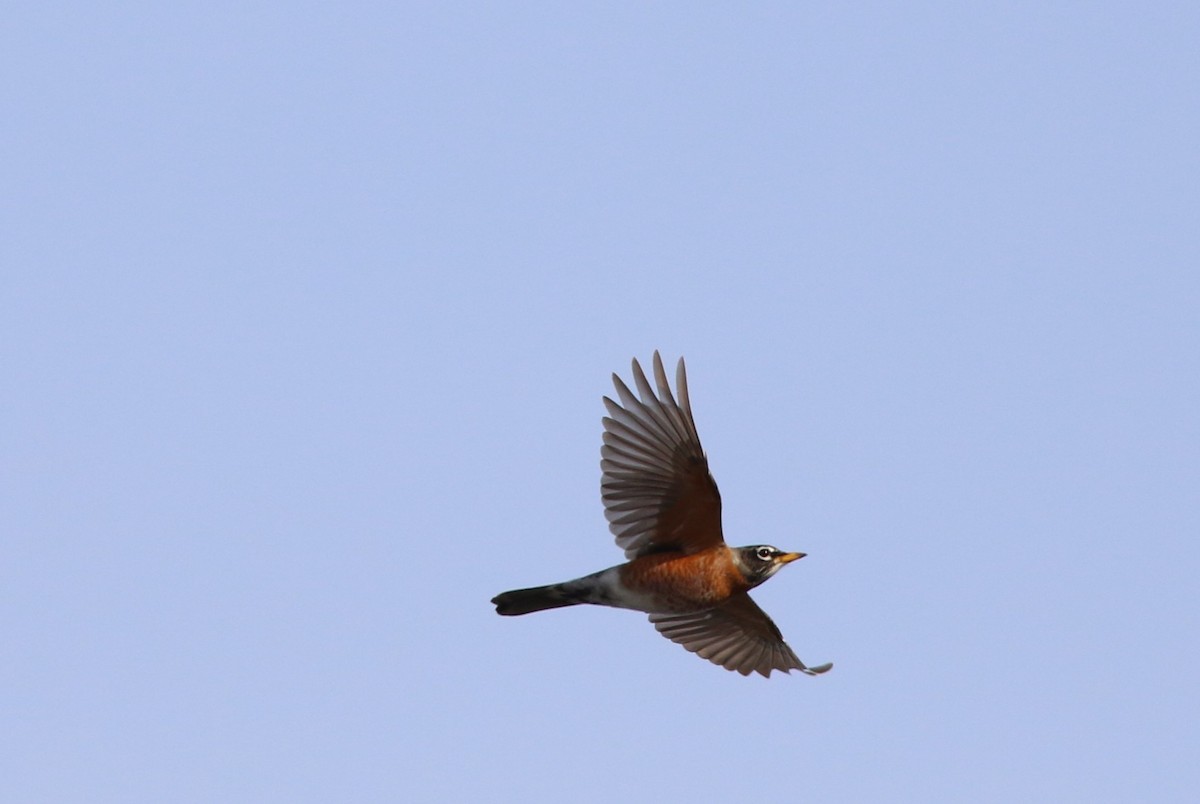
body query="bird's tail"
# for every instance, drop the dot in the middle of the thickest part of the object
(539, 598)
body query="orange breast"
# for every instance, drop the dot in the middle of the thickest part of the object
(682, 582)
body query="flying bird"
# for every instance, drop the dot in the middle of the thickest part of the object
(664, 509)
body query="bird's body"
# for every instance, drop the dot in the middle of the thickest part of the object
(660, 583)
(665, 511)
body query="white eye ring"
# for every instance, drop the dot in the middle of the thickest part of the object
(764, 553)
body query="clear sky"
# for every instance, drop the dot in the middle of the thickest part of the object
(307, 310)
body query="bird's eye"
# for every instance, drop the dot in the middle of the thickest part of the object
(763, 553)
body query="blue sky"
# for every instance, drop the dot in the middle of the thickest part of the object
(307, 314)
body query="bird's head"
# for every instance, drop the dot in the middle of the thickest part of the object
(761, 561)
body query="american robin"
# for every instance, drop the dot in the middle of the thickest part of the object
(665, 511)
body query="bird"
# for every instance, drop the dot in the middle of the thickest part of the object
(664, 509)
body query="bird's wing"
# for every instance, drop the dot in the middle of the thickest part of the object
(737, 635)
(658, 494)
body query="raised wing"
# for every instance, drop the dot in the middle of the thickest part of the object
(658, 494)
(737, 635)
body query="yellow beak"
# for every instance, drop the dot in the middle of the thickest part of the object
(788, 558)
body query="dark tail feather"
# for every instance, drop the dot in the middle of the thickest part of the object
(539, 598)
